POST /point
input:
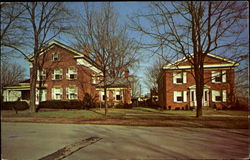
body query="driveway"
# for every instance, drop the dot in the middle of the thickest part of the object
(30, 141)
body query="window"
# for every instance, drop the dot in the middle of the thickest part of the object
(180, 96)
(219, 96)
(102, 96)
(218, 76)
(179, 77)
(72, 73)
(71, 92)
(57, 93)
(41, 75)
(55, 57)
(57, 74)
(117, 95)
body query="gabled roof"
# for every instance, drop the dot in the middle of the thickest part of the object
(78, 55)
(227, 63)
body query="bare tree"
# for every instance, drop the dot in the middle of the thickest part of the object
(42, 21)
(152, 73)
(11, 74)
(108, 43)
(194, 29)
(12, 28)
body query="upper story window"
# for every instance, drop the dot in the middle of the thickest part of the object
(179, 77)
(219, 96)
(219, 76)
(57, 74)
(57, 93)
(41, 75)
(72, 73)
(55, 57)
(71, 92)
(180, 96)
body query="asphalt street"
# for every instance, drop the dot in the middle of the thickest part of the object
(31, 141)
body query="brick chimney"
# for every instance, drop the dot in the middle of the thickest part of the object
(126, 73)
(86, 51)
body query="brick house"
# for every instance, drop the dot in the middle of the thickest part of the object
(67, 74)
(176, 84)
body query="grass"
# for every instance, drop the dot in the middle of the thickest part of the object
(118, 113)
(58, 113)
(138, 116)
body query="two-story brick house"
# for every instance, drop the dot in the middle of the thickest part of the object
(67, 74)
(176, 83)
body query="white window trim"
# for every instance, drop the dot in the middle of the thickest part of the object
(115, 93)
(102, 94)
(54, 93)
(71, 71)
(69, 91)
(60, 73)
(41, 73)
(53, 57)
(222, 73)
(183, 95)
(222, 93)
(182, 75)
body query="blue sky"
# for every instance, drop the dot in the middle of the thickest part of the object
(124, 9)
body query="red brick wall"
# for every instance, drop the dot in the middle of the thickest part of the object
(170, 88)
(83, 81)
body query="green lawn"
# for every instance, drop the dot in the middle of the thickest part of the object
(59, 113)
(117, 113)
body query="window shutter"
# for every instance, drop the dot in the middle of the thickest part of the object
(224, 76)
(213, 73)
(61, 92)
(67, 74)
(184, 77)
(67, 93)
(224, 95)
(53, 93)
(184, 96)
(38, 75)
(213, 96)
(76, 92)
(174, 77)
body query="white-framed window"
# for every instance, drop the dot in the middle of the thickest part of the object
(102, 97)
(219, 76)
(41, 75)
(57, 74)
(179, 77)
(117, 95)
(55, 57)
(219, 95)
(57, 93)
(41, 93)
(71, 92)
(180, 96)
(72, 73)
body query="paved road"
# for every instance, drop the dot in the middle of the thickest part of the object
(31, 141)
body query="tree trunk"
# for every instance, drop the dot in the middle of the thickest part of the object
(33, 88)
(105, 101)
(199, 89)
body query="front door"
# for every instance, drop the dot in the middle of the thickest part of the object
(205, 99)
